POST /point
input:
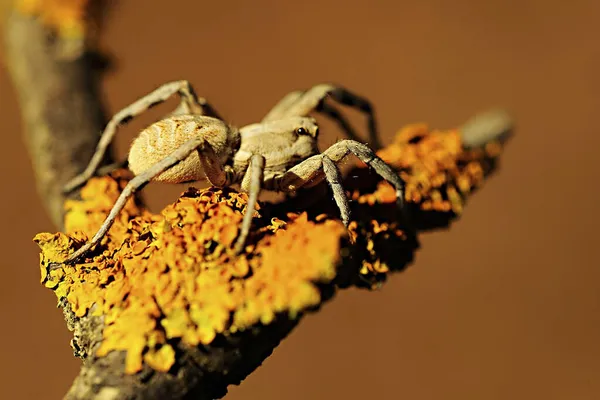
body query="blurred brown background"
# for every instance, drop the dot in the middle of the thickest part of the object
(505, 305)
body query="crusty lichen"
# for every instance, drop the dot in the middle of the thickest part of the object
(76, 20)
(170, 276)
(156, 278)
(68, 17)
(439, 175)
(438, 172)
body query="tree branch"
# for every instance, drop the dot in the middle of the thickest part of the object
(57, 79)
(161, 308)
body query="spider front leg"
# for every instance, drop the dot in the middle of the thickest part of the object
(313, 171)
(251, 184)
(190, 104)
(215, 171)
(338, 151)
(302, 103)
(323, 167)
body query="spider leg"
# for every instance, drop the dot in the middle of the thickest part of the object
(208, 159)
(338, 151)
(334, 177)
(190, 104)
(339, 118)
(302, 103)
(251, 183)
(280, 109)
(314, 169)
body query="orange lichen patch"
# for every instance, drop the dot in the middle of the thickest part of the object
(290, 261)
(438, 172)
(171, 276)
(87, 214)
(162, 278)
(68, 17)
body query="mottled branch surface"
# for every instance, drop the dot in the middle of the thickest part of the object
(57, 82)
(163, 309)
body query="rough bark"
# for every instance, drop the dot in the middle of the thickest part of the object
(58, 86)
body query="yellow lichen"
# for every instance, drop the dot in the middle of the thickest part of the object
(438, 172)
(173, 271)
(68, 17)
(160, 359)
(171, 276)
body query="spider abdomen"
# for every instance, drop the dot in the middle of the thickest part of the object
(162, 138)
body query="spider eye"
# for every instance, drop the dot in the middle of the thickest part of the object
(301, 131)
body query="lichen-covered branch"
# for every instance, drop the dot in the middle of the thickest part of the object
(163, 306)
(56, 75)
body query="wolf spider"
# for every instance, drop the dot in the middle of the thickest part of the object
(279, 153)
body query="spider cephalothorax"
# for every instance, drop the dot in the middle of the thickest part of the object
(279, 153)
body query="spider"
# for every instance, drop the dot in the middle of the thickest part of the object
(279, 153)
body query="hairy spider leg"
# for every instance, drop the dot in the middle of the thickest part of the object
(315, 169)
(190, 104)
(302, 103)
